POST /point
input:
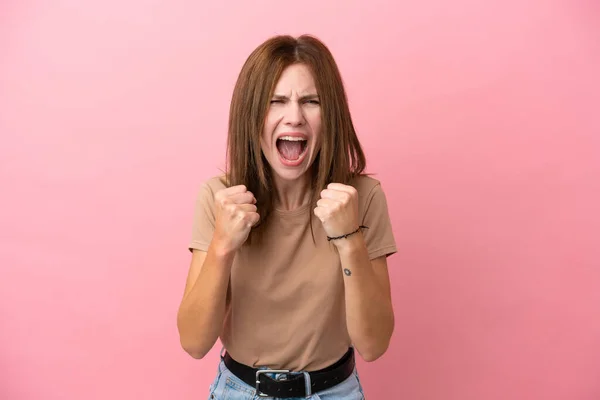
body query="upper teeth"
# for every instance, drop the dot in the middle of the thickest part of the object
(292, 138)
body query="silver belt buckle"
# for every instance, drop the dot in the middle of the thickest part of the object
(267, 371)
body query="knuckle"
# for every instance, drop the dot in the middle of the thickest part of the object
(250, 219)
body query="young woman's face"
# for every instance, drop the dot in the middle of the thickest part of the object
(291, 136)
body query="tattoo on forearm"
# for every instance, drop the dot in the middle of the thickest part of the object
(347, 272)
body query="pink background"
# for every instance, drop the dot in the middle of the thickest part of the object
(479, 117)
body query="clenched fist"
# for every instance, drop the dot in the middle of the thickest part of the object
(338, 209)
(235, 216)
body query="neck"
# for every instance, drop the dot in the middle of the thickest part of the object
(290, 195)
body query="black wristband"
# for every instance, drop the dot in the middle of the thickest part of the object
(329, 238)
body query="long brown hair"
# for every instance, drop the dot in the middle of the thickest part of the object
(340, 158)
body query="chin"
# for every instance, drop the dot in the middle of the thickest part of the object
(289, 175)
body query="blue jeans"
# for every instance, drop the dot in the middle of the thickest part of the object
(227, 386)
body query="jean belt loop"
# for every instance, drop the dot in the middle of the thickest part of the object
(307, 383)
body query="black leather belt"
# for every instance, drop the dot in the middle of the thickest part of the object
(294, 384)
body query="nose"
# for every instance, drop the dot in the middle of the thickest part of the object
(293, 114)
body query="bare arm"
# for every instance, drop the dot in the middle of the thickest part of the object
(202, 310)
(369, 312)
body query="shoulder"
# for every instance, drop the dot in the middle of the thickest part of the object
(368, 189)
(213, 185)
(205, 195)
(365, 185)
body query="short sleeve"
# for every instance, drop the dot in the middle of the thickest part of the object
(203, 225)
(379, 237)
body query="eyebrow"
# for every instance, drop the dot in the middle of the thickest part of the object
(306, 97)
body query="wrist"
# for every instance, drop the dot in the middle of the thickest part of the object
(351, 244)
(222, 250)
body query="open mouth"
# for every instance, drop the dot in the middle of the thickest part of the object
(292, 148)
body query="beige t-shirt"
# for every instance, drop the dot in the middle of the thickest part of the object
(286, 306)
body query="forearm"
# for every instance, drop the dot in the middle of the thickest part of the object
(369, 313)
(202, 311)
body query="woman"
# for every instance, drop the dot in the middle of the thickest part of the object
(289, 247)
